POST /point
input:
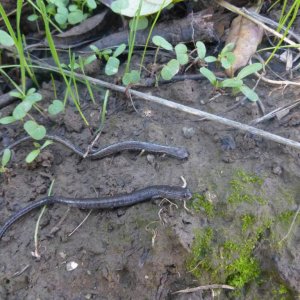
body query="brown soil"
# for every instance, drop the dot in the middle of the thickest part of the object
(132, 253)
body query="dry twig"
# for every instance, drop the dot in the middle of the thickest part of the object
(205, 287)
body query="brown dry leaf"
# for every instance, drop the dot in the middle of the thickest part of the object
(246, 36)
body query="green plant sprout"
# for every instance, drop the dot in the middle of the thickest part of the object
(35, 153)
(226, 59)
(67, 12)
(112, 61)
(5, 160)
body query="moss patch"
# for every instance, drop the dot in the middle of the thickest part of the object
(225, 250)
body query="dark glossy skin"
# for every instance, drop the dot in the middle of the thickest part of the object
(148, 193)
(177, 152)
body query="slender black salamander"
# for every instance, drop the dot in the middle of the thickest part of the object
(121, 200)
(177, 152)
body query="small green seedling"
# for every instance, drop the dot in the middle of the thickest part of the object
(226, 59)
(28, 100)
(67, 12)
(112, 61)
(5, 160)
(35, 153)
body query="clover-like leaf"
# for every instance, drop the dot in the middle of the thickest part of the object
(91, 4)
(35, 130)
(112, 66)
(21, 110)
(170, 70)
(181, 54)
(142, 23)
(75, 17)
(33, 98)
(5, 39)
(162, 43)
(56, 107)
(131, 78)
(201, 49)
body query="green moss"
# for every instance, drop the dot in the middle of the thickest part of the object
(242, 186)
(247, 222)
(200, 202)
(200, 252)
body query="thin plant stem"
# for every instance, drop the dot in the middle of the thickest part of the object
(37, 225)
(150, 34)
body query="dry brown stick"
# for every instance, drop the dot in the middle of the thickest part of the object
(205, 287)
(184, 108)
(267, 28)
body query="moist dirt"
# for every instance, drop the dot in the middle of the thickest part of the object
(141, 252)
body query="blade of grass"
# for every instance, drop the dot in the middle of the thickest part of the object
(55, 57)
(150, 33)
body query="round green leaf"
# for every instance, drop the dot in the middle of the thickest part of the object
(35, 130)
(170, 69)
(181, 54)
(21, 110)
(112, 66)
(6, 157)
(5, 39)
(161, 42)
(32, 155)
(32, 18)
(142, 23)
(91, 4)
(201, 49)
(56, 107)
(75, 17)
(61, 19)
(33, 98)
(131, 77)
(73, 7)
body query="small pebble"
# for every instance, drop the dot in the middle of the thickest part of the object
(72, 265)
(188, 132)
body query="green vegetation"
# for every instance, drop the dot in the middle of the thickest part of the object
(225, 251)
(242, 188)
(67, 12)
(200, 202)
(5, 160)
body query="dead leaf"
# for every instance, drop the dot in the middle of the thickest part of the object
(246, 36)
